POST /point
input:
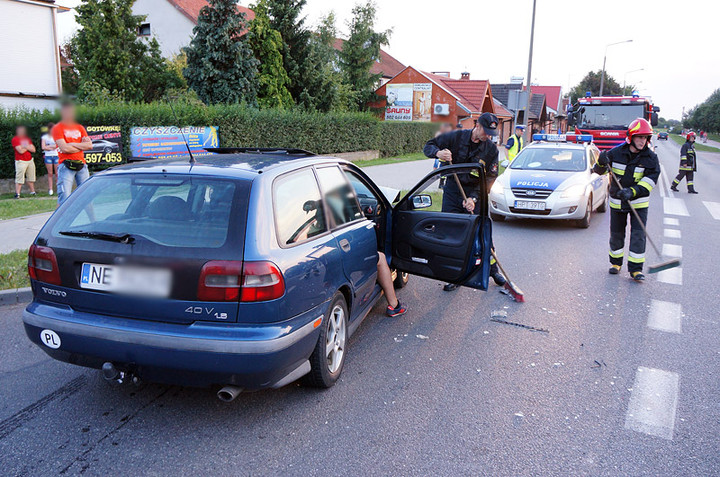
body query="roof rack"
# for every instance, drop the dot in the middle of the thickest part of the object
(260, 150)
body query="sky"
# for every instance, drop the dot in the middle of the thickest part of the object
(672, 41)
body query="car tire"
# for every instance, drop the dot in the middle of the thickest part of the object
(107, 150)
(585, 221)
(602, 208)
(401, 280)
(326, 370)
(497, 217)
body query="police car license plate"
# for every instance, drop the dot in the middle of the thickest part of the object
(128, 280)
(529, 205)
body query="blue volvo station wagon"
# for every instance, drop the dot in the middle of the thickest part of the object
(248, 269)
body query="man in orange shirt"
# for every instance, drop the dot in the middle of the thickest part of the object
(24, 165)
(72, 140)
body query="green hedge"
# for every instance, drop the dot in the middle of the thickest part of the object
(322, 133)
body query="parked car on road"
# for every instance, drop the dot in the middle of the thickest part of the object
(551, 178)
(249, 268)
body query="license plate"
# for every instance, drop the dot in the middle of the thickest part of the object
(127, 280)
(529, 205)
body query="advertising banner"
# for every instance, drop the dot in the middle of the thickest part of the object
(422, 101)
(107, 145)
(399, 102)
(167, 141)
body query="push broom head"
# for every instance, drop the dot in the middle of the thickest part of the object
(659, 267)
(515, 292)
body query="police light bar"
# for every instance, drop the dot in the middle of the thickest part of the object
(563, 137)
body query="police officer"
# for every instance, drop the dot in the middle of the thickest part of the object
(515, 142)
(637, 168)
(468, 146)
(688, 164)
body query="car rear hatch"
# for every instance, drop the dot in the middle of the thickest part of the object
(142, 245)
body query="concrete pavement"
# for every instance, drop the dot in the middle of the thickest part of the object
(19, 233)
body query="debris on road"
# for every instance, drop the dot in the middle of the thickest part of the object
(520, 325)
(498, 314)
(598, 364)
(422, 337)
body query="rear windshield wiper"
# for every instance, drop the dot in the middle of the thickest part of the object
(110, 237)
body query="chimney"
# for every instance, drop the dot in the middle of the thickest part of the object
(464, 75)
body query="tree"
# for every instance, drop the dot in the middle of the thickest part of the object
(107, 53)
(221, 67)
(706, 115)
(360, 52)
(267, 45)
(591, 82)
(285, 17)
(68, 73)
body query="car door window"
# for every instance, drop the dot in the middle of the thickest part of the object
(339, 195)
(299, 213)
(369, 202)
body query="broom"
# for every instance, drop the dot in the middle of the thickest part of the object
(514, 290)
(658, 267)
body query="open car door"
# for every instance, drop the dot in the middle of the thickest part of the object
(446, 246)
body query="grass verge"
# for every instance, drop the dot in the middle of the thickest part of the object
(11, 208)
(13, 270)
(414, 156)
(698, 147)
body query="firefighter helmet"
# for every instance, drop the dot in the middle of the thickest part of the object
(639, 127)
(691, 134)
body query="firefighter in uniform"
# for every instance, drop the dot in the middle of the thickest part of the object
(688, 165)
(515, 142)
(637, 168)
(468, 146)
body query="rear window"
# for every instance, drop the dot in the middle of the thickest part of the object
(180, 211)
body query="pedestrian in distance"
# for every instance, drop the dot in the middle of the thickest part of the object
(50, 153)
(72, 141)
(688, 165)
(515, 142)
(637, 169)
(24, 164)
(463, 146)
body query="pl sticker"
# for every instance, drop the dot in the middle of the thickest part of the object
(50, 339)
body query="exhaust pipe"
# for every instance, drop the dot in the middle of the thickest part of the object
(228, 393)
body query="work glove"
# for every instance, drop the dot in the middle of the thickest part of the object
(603, 159)
(625, 194)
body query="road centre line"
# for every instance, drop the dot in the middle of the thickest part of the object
(665, 316)
(670, 221)
(672, 250)
(713, 208)
(672, 276)
(653, 402)
(673, 206)
(672, 233)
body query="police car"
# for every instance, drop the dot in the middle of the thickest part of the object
(551, 178)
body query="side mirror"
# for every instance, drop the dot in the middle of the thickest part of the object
(571, 118)
(505, 163)
(421, 201)
(654, 119)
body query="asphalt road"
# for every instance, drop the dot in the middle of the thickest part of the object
(601, 393)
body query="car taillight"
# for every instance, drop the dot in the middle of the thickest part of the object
(261, 281)
(42, 265)
(220, 280)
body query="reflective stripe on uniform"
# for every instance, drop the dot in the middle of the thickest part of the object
(636, 257)
(647, 183)
(641, 203)
(686, 168)
(616, 253)
(638, 173)
(617, 168)
(615, 203)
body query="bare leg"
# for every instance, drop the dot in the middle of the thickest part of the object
(31, 185)
(385, 280)
(18, 188)
(49, 168)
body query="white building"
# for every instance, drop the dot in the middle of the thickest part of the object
(30, 58)
(171, 22)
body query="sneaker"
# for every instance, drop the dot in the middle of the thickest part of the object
(397, 311)
(449, 287)
(638, 276)
(17, 196)
(33, 194)
(499, 279)
(50, 192)
(614, 270)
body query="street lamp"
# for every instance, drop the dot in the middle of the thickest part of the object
(602, 78)
(529, 74)
(625, 77)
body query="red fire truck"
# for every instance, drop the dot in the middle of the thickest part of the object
(607, 118)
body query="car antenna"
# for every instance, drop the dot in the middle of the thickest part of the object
(192, 159)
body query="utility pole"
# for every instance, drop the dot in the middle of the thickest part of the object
(529, 75)
(602, 77)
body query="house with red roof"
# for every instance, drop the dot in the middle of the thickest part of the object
(171, 22)
(415, 95)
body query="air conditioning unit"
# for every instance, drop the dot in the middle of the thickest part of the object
(442, 109)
